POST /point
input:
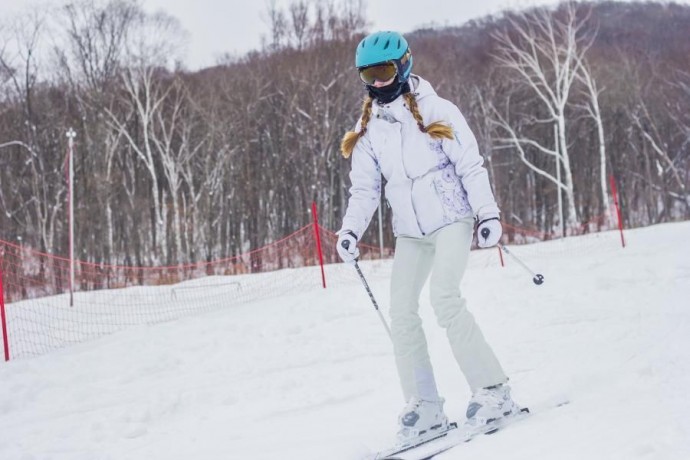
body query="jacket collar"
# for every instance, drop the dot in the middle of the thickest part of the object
(397, 110)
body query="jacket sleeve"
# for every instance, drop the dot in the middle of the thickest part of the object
(365, 192)
(463, 152)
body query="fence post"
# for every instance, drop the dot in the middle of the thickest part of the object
(317, 233)
(618, 208)
(5, 341)
(70, 208)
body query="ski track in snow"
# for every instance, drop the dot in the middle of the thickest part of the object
(311, 376)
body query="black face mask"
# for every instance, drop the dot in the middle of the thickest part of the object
(389, 93)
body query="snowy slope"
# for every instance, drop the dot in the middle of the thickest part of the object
(311, 376)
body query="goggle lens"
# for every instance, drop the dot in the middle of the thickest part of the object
(381, 72)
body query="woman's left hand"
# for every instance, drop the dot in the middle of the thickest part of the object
(489, 232)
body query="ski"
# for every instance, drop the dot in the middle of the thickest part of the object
(451, 438)
(418, 442)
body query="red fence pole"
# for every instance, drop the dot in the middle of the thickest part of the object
(318, 241)
(5, 342)
(618, 208)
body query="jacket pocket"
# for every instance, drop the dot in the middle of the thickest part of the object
(427, 203)
(452, 195)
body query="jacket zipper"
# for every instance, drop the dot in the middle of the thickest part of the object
(414, 209)
(412, 181)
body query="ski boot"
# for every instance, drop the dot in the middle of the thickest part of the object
(421, 418)
(488, 407)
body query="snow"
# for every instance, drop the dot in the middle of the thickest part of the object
(311, 375)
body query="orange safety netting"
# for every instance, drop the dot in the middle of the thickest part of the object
(41, 315)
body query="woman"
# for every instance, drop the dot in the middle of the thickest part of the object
(436, 187)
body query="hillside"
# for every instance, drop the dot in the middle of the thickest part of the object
(311, 376)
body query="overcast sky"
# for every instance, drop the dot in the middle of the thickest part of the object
(237, 26)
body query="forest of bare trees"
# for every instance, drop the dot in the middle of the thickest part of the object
(173, 166)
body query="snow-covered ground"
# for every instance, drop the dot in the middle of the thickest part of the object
(311, 375)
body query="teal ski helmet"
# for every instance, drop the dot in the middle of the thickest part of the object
(385, 46)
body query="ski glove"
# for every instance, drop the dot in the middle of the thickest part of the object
(347, 246)
(489, 231)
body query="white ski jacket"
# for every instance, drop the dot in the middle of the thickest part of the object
(430, 183)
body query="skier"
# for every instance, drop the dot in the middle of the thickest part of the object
(437, 188)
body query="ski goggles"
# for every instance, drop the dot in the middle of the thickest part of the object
(379, 72)
(384, 71)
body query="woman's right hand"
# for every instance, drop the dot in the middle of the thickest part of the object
(347, 246)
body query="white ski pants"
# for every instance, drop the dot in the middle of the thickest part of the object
(444, 254)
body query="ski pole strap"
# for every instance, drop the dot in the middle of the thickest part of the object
(351, 233)
(486, 220)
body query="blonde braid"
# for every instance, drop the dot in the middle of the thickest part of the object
(437, 129)
(347, 145)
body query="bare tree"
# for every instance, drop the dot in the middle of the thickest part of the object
(150, 46)
(544, 52)
(299, 21)
(90, 51)
(96, 34)
(278, 24)
(172, 137)
(144, 98)
(650, 132)
(593, 110)
(32, 137)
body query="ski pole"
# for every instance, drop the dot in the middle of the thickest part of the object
(537, 278)
(346, 244)
(373, 300)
